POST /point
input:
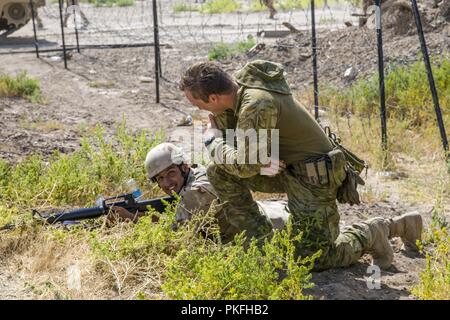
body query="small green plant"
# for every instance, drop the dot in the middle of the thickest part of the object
(184, 7)
(220, 51)
(301, 4)
(256, 6)
(232, 272)
(223, 50)
(110, 3)
(21, 86)
(125, 3)
(435, 279)
(293, 4)
(220, 6)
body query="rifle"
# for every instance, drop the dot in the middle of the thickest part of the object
(103, 207)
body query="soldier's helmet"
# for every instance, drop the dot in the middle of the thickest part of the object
(161, 157)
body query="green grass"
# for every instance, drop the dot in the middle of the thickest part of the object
(434, 281)
(125, 3)
(99, 167)
(131, 261)
(286, 5)
(21, 86)
(184, 7)
(223, 50)
(408, 96)
(220, 6)
(230, 272)
(110, 3)
(411, 119)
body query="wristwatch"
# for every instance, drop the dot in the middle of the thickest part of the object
(208, 140)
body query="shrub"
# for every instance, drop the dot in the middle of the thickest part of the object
(220, 6)
(184, 7)
(98, 167)
(223, 50)
(408, 96)
(435, 279)
(21, 86)
(231, 272)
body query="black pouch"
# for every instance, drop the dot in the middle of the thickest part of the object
(348, 191)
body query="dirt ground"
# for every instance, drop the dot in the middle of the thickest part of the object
(106, 86)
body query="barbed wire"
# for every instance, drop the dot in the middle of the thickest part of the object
(179, 21)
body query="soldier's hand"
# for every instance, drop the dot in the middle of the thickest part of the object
(119, 214)
(212, 129)
(275, 167)
(212, 122)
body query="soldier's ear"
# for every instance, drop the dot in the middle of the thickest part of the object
(185, 168)
(213, 98)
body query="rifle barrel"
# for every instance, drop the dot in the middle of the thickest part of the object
(79, 214)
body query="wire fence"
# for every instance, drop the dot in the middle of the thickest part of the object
(73, 24)
(130, 22)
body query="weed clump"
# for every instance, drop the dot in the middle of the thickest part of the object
(223, 50)
(21, 86)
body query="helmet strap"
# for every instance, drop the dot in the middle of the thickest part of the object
(184, 174)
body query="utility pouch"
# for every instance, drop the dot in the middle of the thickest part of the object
(317, 170)
(349, 173)
(337, 167)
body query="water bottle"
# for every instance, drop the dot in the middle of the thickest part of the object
(133, 188)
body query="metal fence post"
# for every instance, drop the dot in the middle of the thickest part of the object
(62, 32)
(426, 60)
(314, 60)
(156, 49)
(36, 43)
(381, 75)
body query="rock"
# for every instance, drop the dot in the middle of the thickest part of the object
(392, 175)
(145, 79)
(348, 24)
(55, 58)
(187, 121)
(304, 56)
(256, 49)
(350, 74)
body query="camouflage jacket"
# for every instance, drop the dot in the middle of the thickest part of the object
(264, 102)
(196, 196)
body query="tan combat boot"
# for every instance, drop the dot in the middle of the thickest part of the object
(408, 227)
(379, 246)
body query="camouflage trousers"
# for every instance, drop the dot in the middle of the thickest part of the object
(313, 211)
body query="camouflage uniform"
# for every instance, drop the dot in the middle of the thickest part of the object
(195, 196)
(198, 194)
(264, 101)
